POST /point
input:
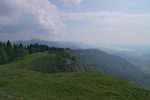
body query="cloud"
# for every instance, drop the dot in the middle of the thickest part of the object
(29, 16)
(76, 2)
(101, 14)
(5, 8)
(110, 27)
(27, 19)
(112, 20)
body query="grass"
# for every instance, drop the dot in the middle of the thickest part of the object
(23, 84)
(42, 62)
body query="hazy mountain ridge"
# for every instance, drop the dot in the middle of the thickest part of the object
(138, 56)
(114, 65)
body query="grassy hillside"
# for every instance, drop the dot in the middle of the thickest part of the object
(47, 63)
(27, 79)
(29, 85)
(114, 65)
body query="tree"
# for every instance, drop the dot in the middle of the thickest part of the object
(10, 53)
(20, 52)
(8, 44)
(20, 45)
(9, 50)
(3, 56)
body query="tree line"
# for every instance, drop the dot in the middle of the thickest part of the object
(9, 51)
(64, 52)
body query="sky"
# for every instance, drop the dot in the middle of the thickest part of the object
(97, 22)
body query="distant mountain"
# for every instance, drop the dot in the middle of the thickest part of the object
(62, 44)
(114, 65)
(138, 56)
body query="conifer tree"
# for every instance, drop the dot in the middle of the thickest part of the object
(3, 56)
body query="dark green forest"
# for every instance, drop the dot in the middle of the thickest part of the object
(9, 51)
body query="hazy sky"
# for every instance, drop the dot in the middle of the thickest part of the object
(125, 22)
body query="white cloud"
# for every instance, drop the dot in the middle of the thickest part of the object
(73, 1)
(111, 27)
(111, 22)
(101, 14)
(34, 16)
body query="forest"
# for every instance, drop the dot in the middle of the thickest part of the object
(10, 51)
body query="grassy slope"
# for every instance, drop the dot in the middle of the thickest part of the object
(114, 65)
(42, 62)
(20, 84)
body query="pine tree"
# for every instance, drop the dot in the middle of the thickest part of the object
(8, 44)
(3, 56)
